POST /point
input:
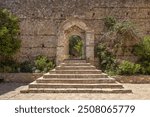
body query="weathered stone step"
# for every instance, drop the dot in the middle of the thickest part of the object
(75, 64)
(102, 75)
(74, 90)
(75, 72)
(75, 76)
(74, 61)
(76, 81)
(75, 68)
(53, 85)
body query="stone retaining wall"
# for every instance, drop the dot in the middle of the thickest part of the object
(20, 77)
(30, 77)
(139, 79)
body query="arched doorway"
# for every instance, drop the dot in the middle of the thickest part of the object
(77, 27)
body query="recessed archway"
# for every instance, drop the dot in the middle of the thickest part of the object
(70, 27)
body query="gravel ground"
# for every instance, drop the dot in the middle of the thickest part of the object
(11, 91)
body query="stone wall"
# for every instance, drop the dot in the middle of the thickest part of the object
(40, 20)
(20, 77)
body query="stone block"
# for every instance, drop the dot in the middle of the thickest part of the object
(20, 77)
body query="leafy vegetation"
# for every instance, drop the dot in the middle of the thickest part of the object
(128, 68)
(43, 64)
(75, 46)
(26, 67)
(107, 61)
(142, 50)
(124, 33)
(8, 66)
(9, 41)
(9, 32)
(40, 64)
(110, 22)
(122, 27)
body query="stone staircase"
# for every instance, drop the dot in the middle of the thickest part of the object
(75, 76)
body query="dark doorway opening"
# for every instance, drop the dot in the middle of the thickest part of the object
(76, 49)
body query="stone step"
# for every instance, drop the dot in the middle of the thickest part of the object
(56, 85)
(75, 72)
(75, 61)
(74, 90)
(75, 76)
(102, 75)
(75, 68)
(75, 64)
(76, 81)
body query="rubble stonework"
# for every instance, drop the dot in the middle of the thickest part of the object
(40, 21)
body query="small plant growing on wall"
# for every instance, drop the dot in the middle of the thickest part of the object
(110, 22)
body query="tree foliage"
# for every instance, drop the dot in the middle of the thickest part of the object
(107, 61)
(124, 34)
(9, 32)
(142, 50)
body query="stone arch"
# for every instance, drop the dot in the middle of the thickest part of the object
(62, 42)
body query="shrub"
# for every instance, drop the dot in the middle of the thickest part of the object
(142, 50)
(8, 66)
(26, 66)
(124, 35)
(128, 68)
(145, 67)
(109, 64)
(107, 61)
(9, 32)
(42, 63)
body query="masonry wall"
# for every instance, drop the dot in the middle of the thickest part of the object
(40, 20)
